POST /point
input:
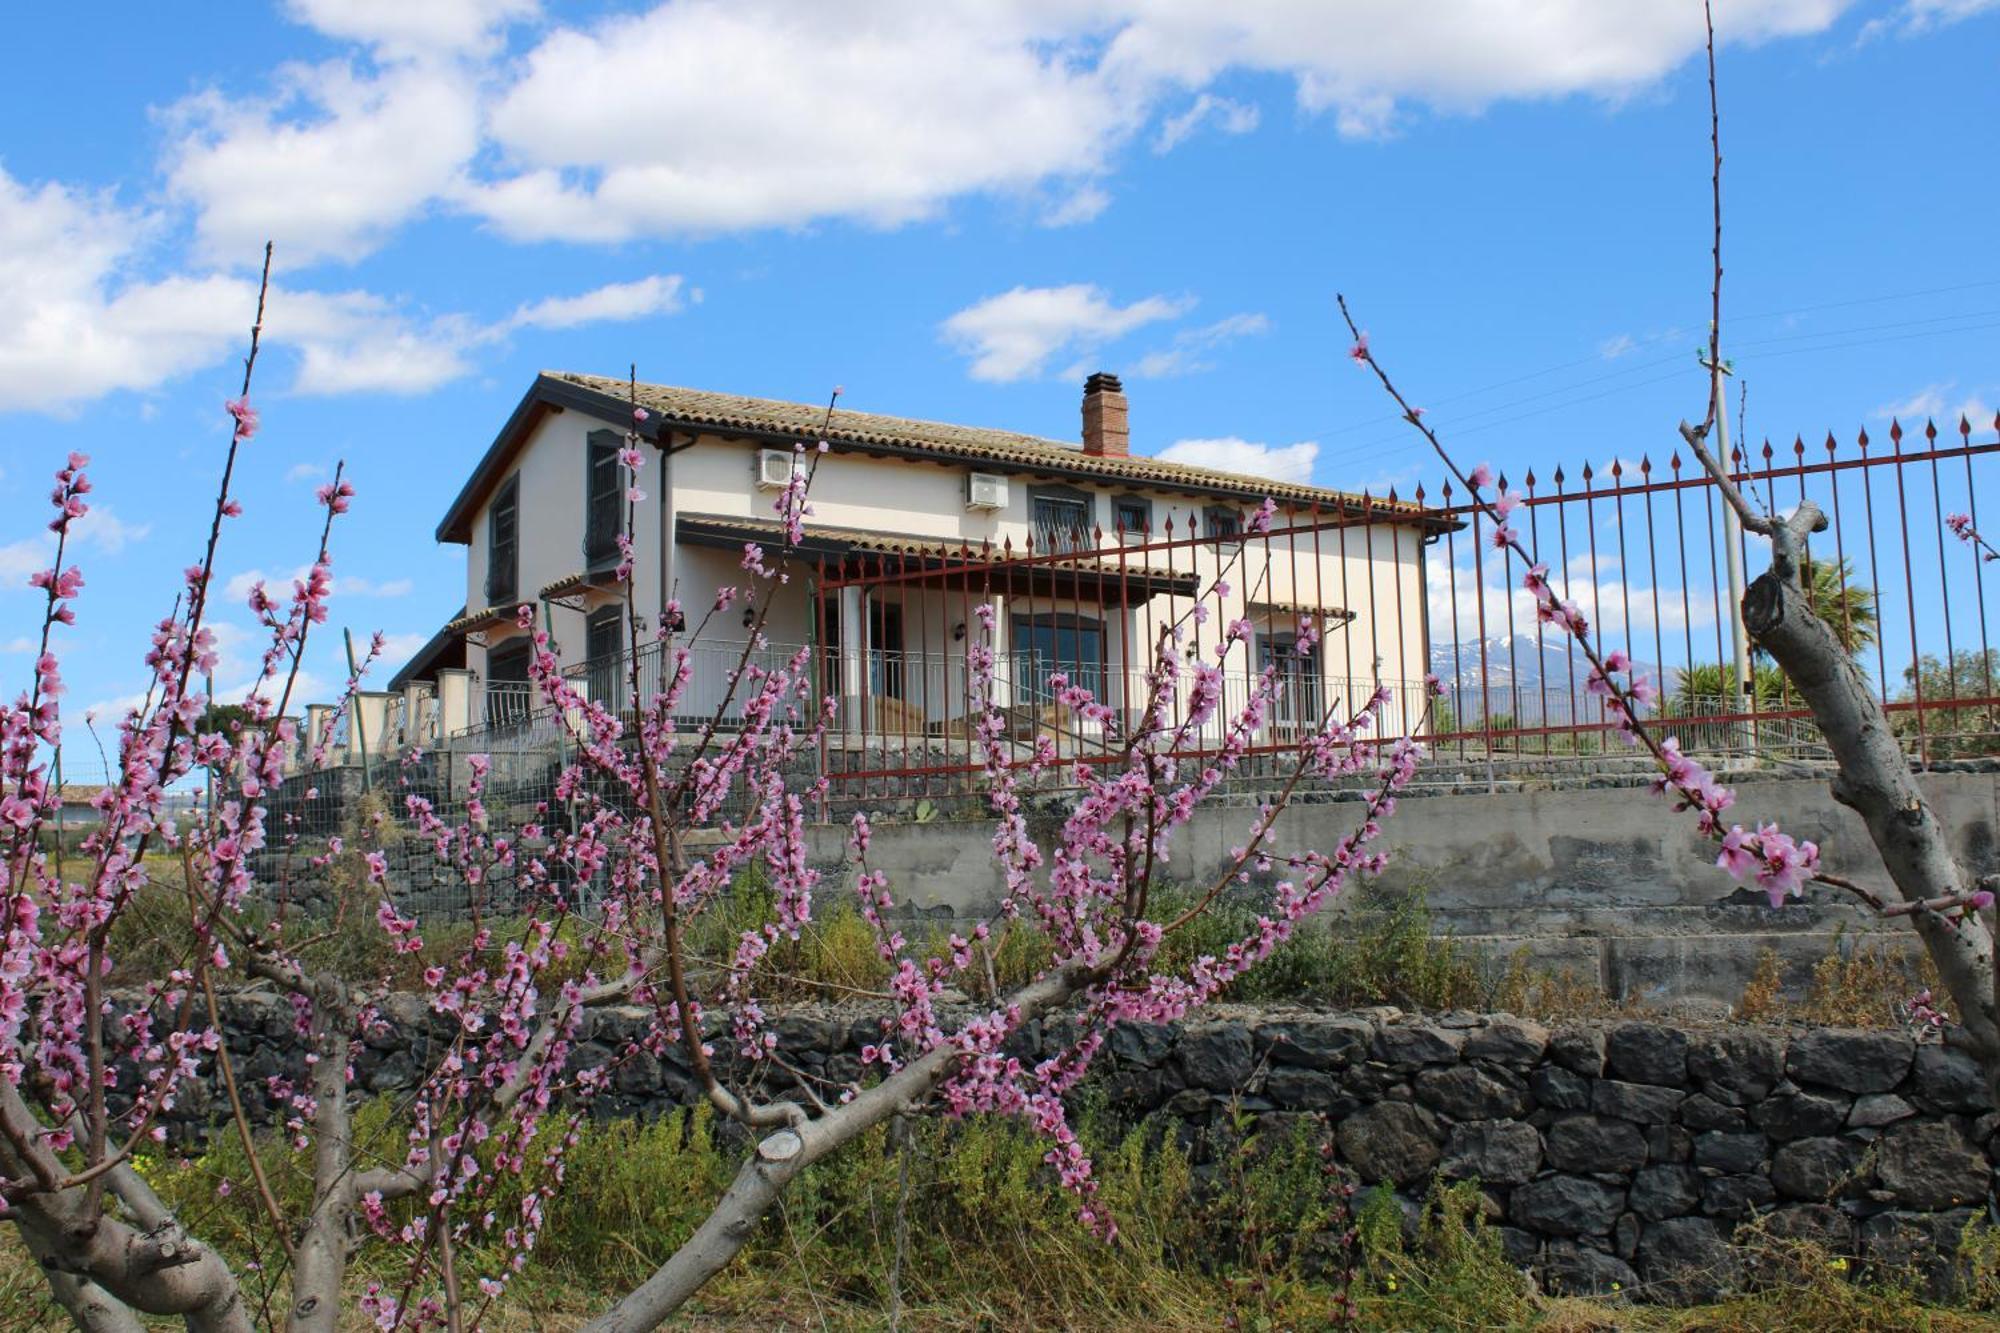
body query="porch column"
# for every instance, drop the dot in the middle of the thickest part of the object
(366, 726)
(454, 702)
(316, 719)
(1003, 666)
(853, 657)
(416, 707)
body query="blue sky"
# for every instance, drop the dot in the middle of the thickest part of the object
(953, 211)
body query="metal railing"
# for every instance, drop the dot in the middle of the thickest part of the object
(1398, 588)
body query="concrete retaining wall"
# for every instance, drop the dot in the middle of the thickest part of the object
(1605, 881)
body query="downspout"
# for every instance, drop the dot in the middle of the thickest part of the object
(669, 530)
(1424, 543)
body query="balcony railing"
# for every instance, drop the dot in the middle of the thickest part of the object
(509, 703)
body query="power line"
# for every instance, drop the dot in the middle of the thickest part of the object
(1396, 445)
(1675, 333)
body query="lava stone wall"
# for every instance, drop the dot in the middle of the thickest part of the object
(1620, 1156)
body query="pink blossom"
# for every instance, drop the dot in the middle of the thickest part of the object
(245, 415)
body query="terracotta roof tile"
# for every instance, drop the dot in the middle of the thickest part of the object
(722, 411)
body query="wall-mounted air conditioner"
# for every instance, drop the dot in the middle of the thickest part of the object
(775, 467)
(984, 490)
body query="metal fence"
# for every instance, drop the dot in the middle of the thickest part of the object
(1641, 547)
(1398, 587)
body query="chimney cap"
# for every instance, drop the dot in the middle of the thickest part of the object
(1103, 381)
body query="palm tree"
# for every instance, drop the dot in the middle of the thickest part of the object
(1847, 607)
(1705, 689)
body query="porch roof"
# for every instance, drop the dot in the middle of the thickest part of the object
(910, 558)
(570, 584)
(1324, 614)
(484, 618)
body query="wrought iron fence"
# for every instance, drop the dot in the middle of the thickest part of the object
(1641, 547)
(1396, 588)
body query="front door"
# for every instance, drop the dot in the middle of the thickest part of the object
(885, 657)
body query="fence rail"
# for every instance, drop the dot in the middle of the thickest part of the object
(1642, 548)
(1397, 587)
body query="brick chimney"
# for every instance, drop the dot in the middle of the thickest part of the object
(1106, 429)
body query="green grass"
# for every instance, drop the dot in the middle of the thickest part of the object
(958, 1226)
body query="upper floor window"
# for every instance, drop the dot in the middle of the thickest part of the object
(604, 498)
(503, 544)
(1220, 522)
(1060, 518)
(1132, 516)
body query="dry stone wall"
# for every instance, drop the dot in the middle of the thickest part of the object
(1619, 1156)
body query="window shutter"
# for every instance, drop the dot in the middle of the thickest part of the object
(503, 545)
(604, 499)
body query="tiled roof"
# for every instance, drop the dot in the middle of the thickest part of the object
(732, 528)
(722, 411)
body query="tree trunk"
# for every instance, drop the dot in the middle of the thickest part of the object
(319, 1263)
(779, 1159)
(1874, 780)
(90, 1307)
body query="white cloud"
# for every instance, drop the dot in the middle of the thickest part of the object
(1229, 116)
(1012, 336)
(1613, 348)
(305, 472)
(659, 294)
(236, 592)
(400, 648)
(76, 323)
(106, 713)
(698, 121)
(103, 530)
(1938, 402)
(1277, 462)
(400, 27)
(1914, 17)
(328, 165)
(705, 117)
(697, 116)
(1081, 205)
(100, 531)
(1604, 601)
(20, 644)
(1183, 356)
(71, 326)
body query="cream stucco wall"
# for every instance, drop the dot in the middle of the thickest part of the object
(1374, 571)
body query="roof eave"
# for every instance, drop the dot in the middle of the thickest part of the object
(546, 393)
(550, 391)
(610, 409)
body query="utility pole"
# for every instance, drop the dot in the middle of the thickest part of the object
(354, 707)
(1741, 684)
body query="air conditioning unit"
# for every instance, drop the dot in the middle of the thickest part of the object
(984, 490)
(775, 467)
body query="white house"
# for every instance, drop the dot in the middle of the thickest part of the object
(1083, 549)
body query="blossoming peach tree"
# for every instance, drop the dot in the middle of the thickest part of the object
(1945, 900)
(456, 1211)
